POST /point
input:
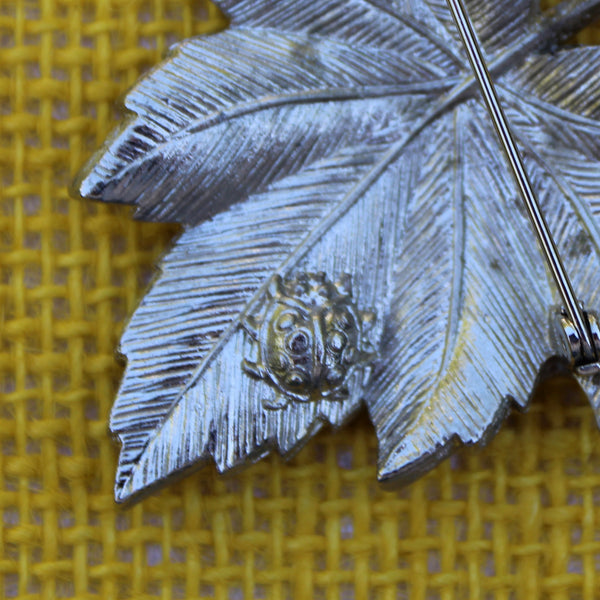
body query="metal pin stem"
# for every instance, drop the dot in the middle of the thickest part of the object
(572, 306)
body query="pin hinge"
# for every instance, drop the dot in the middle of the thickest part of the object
(584, 358)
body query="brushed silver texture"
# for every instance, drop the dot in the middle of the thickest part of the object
(582, 338)
(353, 232)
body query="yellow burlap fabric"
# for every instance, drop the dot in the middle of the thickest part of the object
(520, 519)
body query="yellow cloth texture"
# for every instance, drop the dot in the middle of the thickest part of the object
(519, 519)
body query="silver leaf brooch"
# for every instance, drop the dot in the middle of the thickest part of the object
(390, 203)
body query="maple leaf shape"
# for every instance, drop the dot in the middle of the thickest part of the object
(353, 233)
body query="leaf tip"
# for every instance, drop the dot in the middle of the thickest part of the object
(410, 460)
(122, 494)
(96, 178)
(87, 184)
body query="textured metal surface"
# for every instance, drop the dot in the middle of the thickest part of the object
(587, 354)
(345, 140)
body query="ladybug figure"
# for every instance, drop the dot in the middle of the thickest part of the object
(309, 338)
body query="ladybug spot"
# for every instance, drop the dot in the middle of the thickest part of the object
(337, 341)
(298, 343)
(296, 380)
(345, 321)
(335, 376)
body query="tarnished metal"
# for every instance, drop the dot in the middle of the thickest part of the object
(353, 231)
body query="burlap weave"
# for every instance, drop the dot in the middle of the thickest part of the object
(520, 519)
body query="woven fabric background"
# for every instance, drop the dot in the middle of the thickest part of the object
(519, 519)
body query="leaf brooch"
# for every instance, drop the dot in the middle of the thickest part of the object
(361, 184)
